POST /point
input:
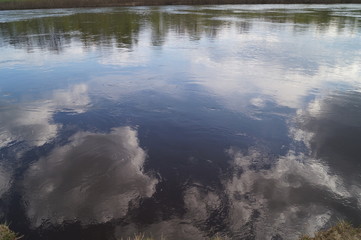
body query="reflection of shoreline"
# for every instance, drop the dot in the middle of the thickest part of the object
(53, 32)
(40, 4)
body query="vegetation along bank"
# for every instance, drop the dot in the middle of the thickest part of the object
(36, 4)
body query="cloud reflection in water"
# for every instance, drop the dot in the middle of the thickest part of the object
(32, 122)
(275, 194)
(300, 192)
(92, 179)
(256, 65)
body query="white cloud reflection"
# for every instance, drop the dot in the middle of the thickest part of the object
(92, 179)
(74, 99)
(199, 203)
(269, 67)
(283, 200)
(295, 194)
(32, 121)
(273, 193)
(329, 127)
(18, 57)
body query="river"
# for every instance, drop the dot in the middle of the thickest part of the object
(181, 122)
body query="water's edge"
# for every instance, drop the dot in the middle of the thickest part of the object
(44, 4)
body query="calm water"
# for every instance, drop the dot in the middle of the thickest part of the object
(182, 122)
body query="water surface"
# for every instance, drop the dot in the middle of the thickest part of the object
(182, 122)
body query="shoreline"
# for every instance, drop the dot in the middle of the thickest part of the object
(342, 230)
(50, 4)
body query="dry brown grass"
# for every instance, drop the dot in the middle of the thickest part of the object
(342, 231)
(141, 236)
(7, 234)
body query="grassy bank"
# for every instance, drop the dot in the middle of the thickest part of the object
(143, 237)
(35, 4)
(7, 234)
(341, 231)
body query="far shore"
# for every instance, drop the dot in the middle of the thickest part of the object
(43, 4)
